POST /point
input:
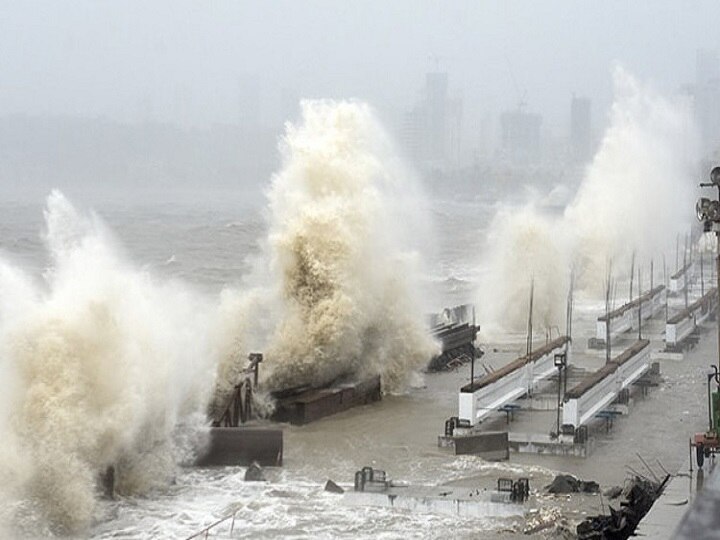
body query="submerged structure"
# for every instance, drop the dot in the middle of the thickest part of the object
(373, 488)
(456, 331)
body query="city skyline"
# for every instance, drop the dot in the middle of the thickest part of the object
(188, 63)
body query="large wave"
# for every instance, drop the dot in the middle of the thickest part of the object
(339, 276)
(99, 364)
(635, 197)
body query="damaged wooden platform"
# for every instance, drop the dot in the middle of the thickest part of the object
(313, 404)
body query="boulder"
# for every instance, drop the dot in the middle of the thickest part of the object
(254, 473)
(332, 487)
(565, 483)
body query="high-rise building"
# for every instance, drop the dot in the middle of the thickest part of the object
(707, 98)
(520, 135)
(430, 132)
(412, 133)
(436, 97)
(580, 129)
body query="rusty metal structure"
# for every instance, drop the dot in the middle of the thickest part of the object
(231, 441)
(239, 407)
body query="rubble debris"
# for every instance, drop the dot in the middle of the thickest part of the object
(254, 473)
(639, 497)
(456, 332)
(332, 487)
(549, 521)
(565, 483)
(613, 492)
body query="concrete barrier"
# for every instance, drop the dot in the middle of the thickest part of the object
(243, 445)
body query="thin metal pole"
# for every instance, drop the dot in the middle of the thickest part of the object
(472, 369)
(557, 429)
(632, 274)
(607, 317)
(665, 282)
(709, 378)
(530, 319)
(717, 273)
(639, 304)
(685, 273)
(652, 273)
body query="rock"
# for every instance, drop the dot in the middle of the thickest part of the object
(613, 492)
(254, 473)
(332, 487)
(564, 483)
(589, 487)
(107, 482)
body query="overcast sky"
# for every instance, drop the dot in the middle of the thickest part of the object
(193, 62)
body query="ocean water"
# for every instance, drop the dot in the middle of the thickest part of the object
(121, 317)
(206, 248)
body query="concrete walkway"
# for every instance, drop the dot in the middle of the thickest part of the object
(689, 508)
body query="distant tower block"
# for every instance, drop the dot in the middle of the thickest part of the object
(580, 129)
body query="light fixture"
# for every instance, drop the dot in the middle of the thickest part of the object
(707, 210)
(715, 176)
(701, 208)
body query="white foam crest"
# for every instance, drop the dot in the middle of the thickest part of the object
(635, 197)
(105, 361)
(638, 192)
(339, 270)
(526, 250)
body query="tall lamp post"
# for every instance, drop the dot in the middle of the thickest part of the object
(708, 212)
(560, 361)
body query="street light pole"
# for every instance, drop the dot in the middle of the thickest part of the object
(709, 213)
(717, 285)
(560, 361)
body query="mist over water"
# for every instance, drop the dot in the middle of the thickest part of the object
(636, 196)
(105, 364)
(340, 280)
(100, 362)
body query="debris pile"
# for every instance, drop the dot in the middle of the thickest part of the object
(565, 483)
(639, 496)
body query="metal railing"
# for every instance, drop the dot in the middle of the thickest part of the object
(239, 407)
(205, 533)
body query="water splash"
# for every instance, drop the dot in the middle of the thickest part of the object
(99, 366)
(339, 277)
(636, 196)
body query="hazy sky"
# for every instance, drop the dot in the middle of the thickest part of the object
(193, 62)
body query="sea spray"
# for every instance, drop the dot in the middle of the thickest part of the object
(525, 249)
(636, 195)
(339, 271)
(102, 363)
